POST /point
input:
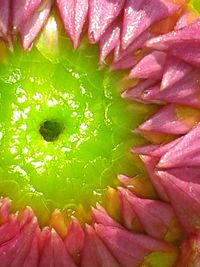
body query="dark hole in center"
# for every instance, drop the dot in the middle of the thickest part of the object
(50, 130)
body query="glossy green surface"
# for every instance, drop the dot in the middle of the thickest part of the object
(93, 143)
(196, 5)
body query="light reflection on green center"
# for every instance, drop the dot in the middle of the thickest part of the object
(93, 146)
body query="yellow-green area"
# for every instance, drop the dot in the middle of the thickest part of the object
(157, 259)
(196, 4)
(65, 131)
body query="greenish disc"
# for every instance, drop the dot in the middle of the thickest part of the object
(65, 131)
(196, 5)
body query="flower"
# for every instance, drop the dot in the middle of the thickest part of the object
(145, 221)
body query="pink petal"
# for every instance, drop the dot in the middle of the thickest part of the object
(189, 33)
(13, 253)
(129, 248)
(43, 238)
(4, 18)
(165, 121)
(22, 10)
(95, 253)
(155, 216)
(145, 150)
(138, 43)
(185, 92)
(125, 63)
(137, 92)
(140, 15)
(5, 204)
(188, 51)
(9, 230)
(74, 240)
(100, 215)
(74, 15)
(185, 153)
(151, 95)
(188, 174)
(150, 164)
(27, 216)
(161, 150)
(175, 69)
(32, 258)
(101, 14)
(109, 40)
(185, 199)
(155, 151)
(183, 43)
(128, 214)
(34, 24)
(55, 253)
(150, 67)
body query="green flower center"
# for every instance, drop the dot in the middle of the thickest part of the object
(65, 132)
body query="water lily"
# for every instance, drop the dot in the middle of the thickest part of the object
(99, 161)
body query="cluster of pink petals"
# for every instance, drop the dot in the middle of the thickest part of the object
(169, 75)
(105, 243)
